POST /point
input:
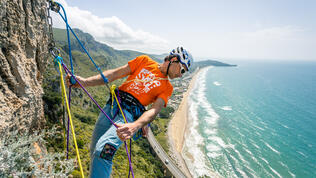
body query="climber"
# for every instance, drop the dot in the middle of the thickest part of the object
(147, 83)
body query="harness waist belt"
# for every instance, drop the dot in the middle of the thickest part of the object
(129, 100)
(130, 103)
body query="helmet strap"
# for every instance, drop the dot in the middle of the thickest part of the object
(168, 67)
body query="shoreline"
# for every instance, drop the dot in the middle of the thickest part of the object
(177, 128)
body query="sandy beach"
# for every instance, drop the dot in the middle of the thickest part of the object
(177, 128)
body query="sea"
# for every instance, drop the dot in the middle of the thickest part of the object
(254, 120)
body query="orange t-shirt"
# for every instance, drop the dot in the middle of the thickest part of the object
(146, 83)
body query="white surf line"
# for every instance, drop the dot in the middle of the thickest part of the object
(274, 150)
(194, 157)
(217, 83)
(274, 171)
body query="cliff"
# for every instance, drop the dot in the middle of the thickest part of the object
(23, 57)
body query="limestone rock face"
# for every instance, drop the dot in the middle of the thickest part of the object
(23, 58)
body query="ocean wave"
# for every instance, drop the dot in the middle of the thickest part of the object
(240, 156)
(258, 127)
(239, 167)
(248, 151)
(267, 162)
(301, 154)
(291, 173)
(219, 141)
(209, 131)
(226, 108)
(271, 148)
(211, 120)
(243, 174)
(274, 171)
(248, 173)
(284, 165)
(214, 155)
(217, 83)
(213, 148)
(255, 145)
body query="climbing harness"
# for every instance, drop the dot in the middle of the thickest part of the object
(54, 6)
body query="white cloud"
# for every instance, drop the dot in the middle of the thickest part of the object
(111, 30)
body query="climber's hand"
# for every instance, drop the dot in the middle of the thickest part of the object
(76, 85)
(126, 131)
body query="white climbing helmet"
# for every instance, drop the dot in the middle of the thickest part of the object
(184, 56)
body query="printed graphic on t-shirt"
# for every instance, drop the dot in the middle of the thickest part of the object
(144, 82)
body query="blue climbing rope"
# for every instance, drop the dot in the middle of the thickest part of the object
(106, 81)
(72, 81)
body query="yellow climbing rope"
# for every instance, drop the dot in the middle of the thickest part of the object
(69, 114)
(113, 94)
(113, 87)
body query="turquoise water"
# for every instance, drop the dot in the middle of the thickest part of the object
(254, 120)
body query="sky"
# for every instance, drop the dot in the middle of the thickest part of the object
(209, 29)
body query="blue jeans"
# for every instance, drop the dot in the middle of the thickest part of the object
(105, 141)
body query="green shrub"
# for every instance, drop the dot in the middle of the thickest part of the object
(166, 112)
(19, 157)
(85, 118)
